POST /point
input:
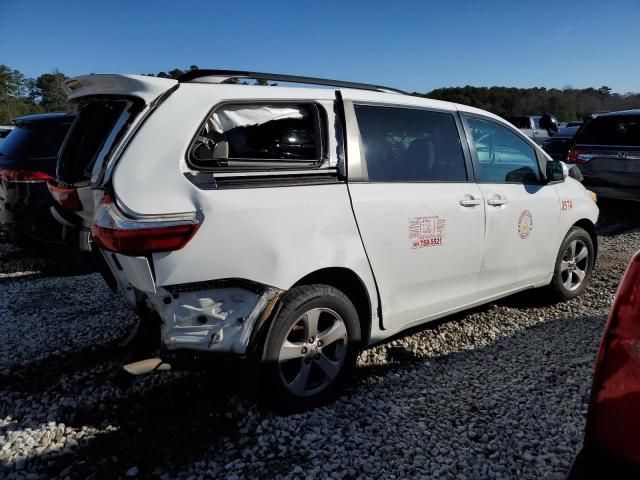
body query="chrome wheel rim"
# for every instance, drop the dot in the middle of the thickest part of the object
(574, 265)
(313, 352)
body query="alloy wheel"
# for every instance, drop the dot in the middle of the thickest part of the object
(313, 352)
(574, 265)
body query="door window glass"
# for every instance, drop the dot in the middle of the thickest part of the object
(410, 145)
(504, 156)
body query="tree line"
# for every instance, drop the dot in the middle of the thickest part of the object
(20, 95)
(566, 104)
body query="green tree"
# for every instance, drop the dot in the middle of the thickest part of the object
(53, 95)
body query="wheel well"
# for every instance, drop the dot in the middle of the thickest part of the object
(349, 283)
(591, 230)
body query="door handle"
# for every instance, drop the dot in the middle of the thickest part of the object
(470, 202)
(496, 202)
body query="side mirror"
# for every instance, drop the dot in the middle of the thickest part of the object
(557, 171)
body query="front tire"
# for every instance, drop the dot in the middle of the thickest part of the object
(310, 349)
(574, 265)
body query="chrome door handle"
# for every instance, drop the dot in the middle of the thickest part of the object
(496, 202)
(470, 202)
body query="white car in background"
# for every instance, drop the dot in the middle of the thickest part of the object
(299, 225)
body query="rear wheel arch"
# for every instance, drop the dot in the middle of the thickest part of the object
(349, 283)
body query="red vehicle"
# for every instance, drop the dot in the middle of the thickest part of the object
(612, 436)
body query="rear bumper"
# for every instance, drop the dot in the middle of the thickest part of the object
(220, 316)
(25, 216)
(617, 193)
(611, 184)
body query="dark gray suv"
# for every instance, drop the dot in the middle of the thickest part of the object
(607, 151)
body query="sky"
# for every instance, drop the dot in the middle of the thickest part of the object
(411, 45)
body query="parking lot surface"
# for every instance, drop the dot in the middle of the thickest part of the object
(498, 392)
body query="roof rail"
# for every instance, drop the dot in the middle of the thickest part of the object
(223, 76)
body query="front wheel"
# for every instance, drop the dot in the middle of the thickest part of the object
(574, 265)
(310, 348)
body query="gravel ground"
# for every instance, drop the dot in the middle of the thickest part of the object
(498, 392)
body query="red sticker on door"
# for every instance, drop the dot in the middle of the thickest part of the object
(426, 231)
(525, 224)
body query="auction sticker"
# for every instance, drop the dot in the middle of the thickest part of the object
(525, 224)
(426, 231)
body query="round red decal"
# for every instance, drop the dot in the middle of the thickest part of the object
(525, 224)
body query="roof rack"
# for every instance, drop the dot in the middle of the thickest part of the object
(223, 76)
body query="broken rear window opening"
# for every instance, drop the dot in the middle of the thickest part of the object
(98, 127)
(260, 137)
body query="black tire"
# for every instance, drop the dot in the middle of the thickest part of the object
(278, 377)
(559, 284)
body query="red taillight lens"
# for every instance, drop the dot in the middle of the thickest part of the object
(577, 155)
(67, 197)
(23, 176)
(613, 423)
(116, 233)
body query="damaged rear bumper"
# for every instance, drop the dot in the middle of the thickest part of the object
(220, 316)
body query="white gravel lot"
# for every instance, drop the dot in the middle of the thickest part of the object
(499, 392)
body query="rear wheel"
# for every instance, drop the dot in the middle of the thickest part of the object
(574, 264)
(310, 348)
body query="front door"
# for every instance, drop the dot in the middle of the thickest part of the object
(522, 213)
(420, 217)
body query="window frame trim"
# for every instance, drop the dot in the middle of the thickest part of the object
(474, 154)
(356, 164)
(322, 129)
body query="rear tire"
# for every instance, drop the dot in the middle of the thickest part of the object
(310, 348)
(574, 265)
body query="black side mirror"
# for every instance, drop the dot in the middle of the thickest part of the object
(556, 171)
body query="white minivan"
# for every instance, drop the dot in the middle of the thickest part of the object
(297, 225)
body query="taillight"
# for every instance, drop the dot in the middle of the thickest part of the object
(67, 197)
(112, 231)
(577, 155)
(613, 422)
(23, 176)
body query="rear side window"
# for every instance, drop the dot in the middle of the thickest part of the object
(623, 130)
(410, 145)
(504, 157)
(32, 142)
(259, 136)
(98, 125)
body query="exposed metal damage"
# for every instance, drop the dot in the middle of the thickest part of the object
(214, 316)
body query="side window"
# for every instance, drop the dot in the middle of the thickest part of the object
(410, 145)
(259, 136)
(504, 156)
